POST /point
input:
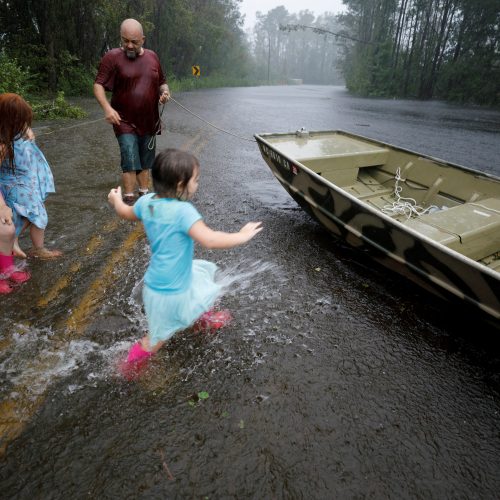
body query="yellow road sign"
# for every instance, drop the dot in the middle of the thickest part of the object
(196, 70)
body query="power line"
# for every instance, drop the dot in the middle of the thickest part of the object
(320, 31)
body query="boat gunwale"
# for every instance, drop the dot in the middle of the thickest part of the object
(439, 246)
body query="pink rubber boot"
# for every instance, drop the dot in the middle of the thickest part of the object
(5, 288)
(8, 269)
(212, 320)
(137, 353)
(137, 360)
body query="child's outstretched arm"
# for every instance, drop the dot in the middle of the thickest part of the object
(209, 238)
(123, 210)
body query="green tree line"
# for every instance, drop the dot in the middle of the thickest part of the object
(448, 49)
(57, 44)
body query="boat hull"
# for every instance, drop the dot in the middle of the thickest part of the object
(425, 262)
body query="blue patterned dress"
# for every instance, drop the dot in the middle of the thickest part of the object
(26, 189)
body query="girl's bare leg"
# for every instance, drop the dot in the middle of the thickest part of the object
(7, 237)
(17, 250)
(146, 345)
(37, 236)
(39, 250)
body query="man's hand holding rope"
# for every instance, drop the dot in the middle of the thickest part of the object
(164, 94)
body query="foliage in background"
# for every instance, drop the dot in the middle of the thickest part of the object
(424, 48)
(14, 78)
(62, 42)
(18, 80)
(448, 49)
(209, 82)
(57, 108)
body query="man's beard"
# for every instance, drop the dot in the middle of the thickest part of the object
(131, 54)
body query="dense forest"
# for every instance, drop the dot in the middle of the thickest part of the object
(447, 49)
(424, 48)
(60, 42)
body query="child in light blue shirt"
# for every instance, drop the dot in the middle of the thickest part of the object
(178, 289)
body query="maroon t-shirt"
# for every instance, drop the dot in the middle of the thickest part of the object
(135, 86)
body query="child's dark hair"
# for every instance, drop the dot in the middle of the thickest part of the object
(171, 167)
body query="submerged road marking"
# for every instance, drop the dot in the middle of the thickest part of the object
(14, 415)
(81, 315)
(94, 243)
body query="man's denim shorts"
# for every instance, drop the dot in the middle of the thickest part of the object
(137, 152)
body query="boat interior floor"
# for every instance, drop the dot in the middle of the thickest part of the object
(367, 187)
(374, 193)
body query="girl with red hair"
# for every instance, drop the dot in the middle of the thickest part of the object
(25, 177)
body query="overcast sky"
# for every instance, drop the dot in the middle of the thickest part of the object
(250, 7)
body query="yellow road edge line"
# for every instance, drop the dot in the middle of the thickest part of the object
(93, 244)
(80, 316)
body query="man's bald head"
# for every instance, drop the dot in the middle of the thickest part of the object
(132, 37)
(132, 25)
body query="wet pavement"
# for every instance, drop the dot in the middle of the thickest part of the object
(336, 378)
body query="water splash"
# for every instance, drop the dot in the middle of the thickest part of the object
(263, 278)
(244, 286)
(34, 360)
(257, 275)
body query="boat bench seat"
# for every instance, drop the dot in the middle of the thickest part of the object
(342, 169)
(472, 229)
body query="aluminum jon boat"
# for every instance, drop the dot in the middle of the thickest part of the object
(434, 222)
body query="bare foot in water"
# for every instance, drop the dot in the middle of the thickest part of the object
(43, 253)
(17, 250)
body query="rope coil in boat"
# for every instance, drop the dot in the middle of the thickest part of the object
(405, 206)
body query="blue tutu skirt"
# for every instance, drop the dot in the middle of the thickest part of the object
(170, 313)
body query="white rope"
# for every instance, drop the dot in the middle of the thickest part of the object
(405, 206)
(159, 126)
(67, 128)
(211, 124)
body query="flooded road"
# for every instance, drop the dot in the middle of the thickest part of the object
(336, 379)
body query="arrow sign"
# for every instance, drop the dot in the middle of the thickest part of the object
(196, 70)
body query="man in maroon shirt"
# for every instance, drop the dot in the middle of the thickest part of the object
(135, 79)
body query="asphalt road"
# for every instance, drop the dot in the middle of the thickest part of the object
(336, 378)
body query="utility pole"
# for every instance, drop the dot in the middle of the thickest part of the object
(268, 55)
